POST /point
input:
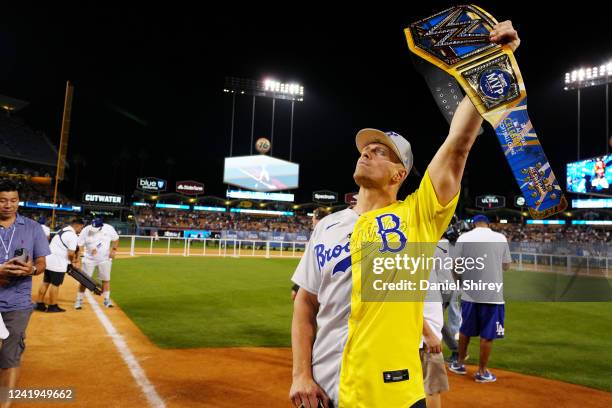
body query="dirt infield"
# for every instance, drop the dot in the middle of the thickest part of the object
(73, 350)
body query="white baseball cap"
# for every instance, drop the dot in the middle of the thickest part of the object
(396, 142)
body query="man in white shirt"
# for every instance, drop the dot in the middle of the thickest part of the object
(63, 248)
(432, 360)
(43, 224)
(482, 310)
(99, 242)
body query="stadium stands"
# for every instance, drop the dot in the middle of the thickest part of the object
(554, 233)
(149, 217)
(20, 142)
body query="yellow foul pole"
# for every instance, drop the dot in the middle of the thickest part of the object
(63, 146)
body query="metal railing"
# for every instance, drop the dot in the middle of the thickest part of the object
(599, 266)
(133, 245)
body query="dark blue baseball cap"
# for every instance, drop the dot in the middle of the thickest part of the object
(480, 218)
(97, 222)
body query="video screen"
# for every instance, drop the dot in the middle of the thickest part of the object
(592, 203)
(196, 234)
(258, 195)
(592, 176)
(260, 173)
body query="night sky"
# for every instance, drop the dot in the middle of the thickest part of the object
(149, 101)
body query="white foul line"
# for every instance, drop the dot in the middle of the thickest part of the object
(137, 372)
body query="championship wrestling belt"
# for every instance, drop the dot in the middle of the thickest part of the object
(84, 280)
(444, 88)
(456, 40)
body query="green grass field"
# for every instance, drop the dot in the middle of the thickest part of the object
(207, 302)
(223, 302)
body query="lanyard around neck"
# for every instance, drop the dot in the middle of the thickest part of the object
(7, 249)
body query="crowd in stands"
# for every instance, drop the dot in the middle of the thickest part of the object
(61, 218)
(36, 193)
(27, 154)
(554, 233)
(9, 168)
(175, 219)
(19, 142)
(213, 221)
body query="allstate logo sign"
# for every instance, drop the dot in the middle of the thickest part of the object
(495, 83)
(189, 187)
(151, 184)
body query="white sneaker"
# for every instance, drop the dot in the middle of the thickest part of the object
(108, 303)
(78, 305)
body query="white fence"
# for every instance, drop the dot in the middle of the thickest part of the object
(566, 264)
(133, 245)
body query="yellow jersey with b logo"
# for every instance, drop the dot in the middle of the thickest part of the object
(380, 362)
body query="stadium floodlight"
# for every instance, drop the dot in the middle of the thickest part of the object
(585, 78)
(268, 88)
(589, 76)
(271, 85)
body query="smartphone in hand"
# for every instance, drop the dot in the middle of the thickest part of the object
(21, 255)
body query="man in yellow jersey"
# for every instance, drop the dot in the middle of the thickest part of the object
(349, 353)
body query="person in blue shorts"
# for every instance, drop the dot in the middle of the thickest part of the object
(482, 310)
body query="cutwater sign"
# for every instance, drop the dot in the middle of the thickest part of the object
(151, 184)
(102, 198)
